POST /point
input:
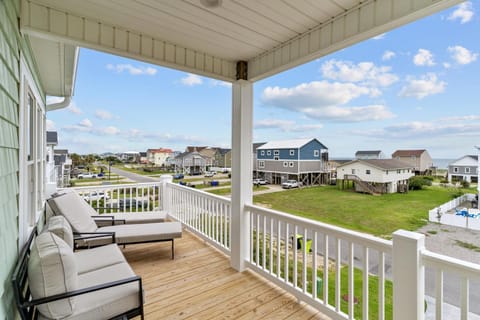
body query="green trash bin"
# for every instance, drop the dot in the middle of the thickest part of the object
(319, 287)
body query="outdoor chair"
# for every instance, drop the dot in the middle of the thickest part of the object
(49, 282)
(88, 234)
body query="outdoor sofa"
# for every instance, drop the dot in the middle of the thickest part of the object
(76, 212)
(51, 281)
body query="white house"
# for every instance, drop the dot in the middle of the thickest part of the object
(159, 157)
(369, 154)
(376, 175)
(465, 168)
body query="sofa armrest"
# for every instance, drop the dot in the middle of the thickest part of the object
(92, 235)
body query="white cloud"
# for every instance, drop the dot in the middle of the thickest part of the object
(379, 37)
(133, 70)
(462, 55)
(427, 85)
(447, 65)
(73, 108)
(463, 12)
(191, 80)
(455, 126)
(387, 55)
(110, 130)
(157, 137)
(50, 125)
(365, 72)
(103, 114)
(86, 123)
(423, 58)
(218, 83)
(325, 100)
(285, 125)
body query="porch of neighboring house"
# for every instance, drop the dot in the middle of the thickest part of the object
(201, 284)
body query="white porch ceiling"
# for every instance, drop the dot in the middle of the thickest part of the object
(271, 35)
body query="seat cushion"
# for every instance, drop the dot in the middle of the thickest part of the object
(59, 226)
(131, 233)
(139, 217)
(97, 258)
(76, 210)
(52, 270)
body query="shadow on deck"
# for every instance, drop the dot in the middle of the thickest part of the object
(200, 284)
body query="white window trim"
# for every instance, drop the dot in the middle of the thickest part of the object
(292, 152)
(269, 152)
(455, 169)
(276, 152)
(262, 153)
(316, 153)
(285, 164)
(467, 170)
(276, 158)
(291, 164)
(261, 164)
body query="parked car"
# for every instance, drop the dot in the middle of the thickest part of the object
(290, 184)
(178, 176)
(260, 181)
(87, 175)
(93, 196)
(195, 173)
(134, 203)
(209, 174)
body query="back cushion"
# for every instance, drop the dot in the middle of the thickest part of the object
(52, 270)
(59, 226)
(77, 211)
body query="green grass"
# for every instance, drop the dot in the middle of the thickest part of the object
(139, 170)
(467, 245)
(377, 215)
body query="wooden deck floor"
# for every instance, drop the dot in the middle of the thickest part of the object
(200, 284)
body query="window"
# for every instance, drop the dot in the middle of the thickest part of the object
(285, 164)
(291, 164)
(262, 153)
(467, 170)
(386, 172)
(353, 171)
(269, 152)
(292, 152)
(414, 158)
(367, 171)
(316, 153)
(455, 169)
(275, 158)
(261, 164)
(276, 152)
(399, 171)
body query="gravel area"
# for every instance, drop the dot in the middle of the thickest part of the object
(443, 239)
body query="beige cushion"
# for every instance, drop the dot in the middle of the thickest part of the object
(52, 270)
(97, 258)
(59, 226)
(138, 217)
(130, 233)
(76, 210)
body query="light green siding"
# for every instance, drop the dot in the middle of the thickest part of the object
(11, 44)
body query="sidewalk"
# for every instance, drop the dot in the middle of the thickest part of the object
(449, 311)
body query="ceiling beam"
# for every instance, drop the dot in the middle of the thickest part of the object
(368, 19)
(44, 22)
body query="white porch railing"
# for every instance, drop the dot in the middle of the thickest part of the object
(344, 274)
(136, 197)
(205, 214)
(315, 261)
(439, 214)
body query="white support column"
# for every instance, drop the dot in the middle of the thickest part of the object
(242, 125)
(164, 178)
(408, 276)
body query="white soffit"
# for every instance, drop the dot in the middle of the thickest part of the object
(56, 63)
(272, 35)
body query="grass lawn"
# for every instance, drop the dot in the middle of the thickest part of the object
(377, 215)
(225, 191)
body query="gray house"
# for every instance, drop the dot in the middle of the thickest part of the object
(465, 168)
(305, 160)
(369, 154)
(191, 163)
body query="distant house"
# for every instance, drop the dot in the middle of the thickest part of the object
(465, 168)
(143, 157)
(369, 154)
(255, 146)
(63, 167)
(304, 160)
(419, 160)
(209, 155)
(223, 158)
(158, 157)
(191, 163)
(375, 175)
(50, 173)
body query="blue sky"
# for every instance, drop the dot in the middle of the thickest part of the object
(417, 86)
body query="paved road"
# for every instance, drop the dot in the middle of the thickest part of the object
(132, 176)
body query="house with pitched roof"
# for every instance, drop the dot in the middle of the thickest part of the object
(369, 154)
(375, 175)
(158, 157)
(419, 160)
(465, 168)
(304, 160)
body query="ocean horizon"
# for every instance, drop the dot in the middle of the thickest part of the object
(440, 163)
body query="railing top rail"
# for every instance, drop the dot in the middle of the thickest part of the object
(117, 186)
(435, 260)
(353, 236)
(203, 193)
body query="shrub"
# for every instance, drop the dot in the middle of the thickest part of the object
(465, 184)
(418, 182)
(429, 178)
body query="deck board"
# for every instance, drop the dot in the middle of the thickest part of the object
(200, 284)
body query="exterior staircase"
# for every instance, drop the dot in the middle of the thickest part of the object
(367, 187)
